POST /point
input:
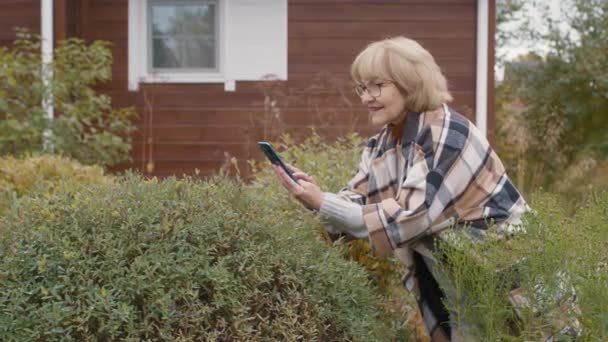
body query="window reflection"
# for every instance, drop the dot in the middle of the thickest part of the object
(183, 35)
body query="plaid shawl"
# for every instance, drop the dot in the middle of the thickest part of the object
(439, 172)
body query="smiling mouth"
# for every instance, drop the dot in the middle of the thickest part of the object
(374, 109)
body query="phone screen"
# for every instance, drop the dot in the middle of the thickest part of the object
(274, 158)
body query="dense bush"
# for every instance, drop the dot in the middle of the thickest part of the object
(560, 263)
(42, 175)
(176, 260)
(333, 164)
(85, 127)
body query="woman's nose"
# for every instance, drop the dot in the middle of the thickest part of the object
(366, 98)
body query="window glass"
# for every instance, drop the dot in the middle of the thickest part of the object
(183, 34)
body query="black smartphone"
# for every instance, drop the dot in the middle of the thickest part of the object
(274, 158)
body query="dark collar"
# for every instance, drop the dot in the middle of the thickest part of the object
(410, 127)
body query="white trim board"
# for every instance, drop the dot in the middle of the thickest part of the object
(47, 41)
(481, 82)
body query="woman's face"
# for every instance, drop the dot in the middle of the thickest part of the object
(383, 100)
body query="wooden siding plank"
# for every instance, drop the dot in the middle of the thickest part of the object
(109, 10)
(22, 14)
(455, 64)
(211, 132)
(371, 2)
(7, 27)
(352, 46)
(189, 102)
(377, 11)
(192, 150)
(373, 30)
(24, 9)
(227, 117)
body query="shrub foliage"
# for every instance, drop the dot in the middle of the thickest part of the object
(559, 263)
(85, 127)
(42, 175)
(332, 165)
(176, 260)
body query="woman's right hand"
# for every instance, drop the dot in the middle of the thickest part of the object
(300, 175)
(307, 192)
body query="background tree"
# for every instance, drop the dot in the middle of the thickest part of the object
(551, 105)
(85, 127)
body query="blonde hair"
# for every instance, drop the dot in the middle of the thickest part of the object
(410, 66)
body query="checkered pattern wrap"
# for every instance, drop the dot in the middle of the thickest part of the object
(438, 172)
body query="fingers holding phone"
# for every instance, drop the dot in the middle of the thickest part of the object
(308, 193)
(299, 174)
(301, 185)
(274, 158)
(286, 180)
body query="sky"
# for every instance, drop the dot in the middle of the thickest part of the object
(514, 49)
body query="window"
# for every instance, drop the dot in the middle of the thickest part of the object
(183, 36)
(206, 41)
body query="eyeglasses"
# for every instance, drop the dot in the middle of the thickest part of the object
(373, 90)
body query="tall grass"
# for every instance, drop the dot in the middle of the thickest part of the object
(558, 266)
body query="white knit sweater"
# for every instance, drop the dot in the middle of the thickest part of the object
(342, 216)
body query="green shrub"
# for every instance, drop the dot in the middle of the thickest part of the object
(85, 127)
(176, 260)
(588, 263)
(557, 253)
(333, 164)
(42, 174)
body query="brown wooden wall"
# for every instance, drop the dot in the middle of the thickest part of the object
(18, 13)
(188, 126)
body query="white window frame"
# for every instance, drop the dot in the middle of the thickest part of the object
(140, 60)
(252, 44)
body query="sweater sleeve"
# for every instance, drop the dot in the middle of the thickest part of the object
(343, 212)
(342, 216)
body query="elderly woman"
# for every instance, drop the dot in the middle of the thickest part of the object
(428, 169)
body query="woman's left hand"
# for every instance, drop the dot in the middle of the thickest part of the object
(307, 192)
